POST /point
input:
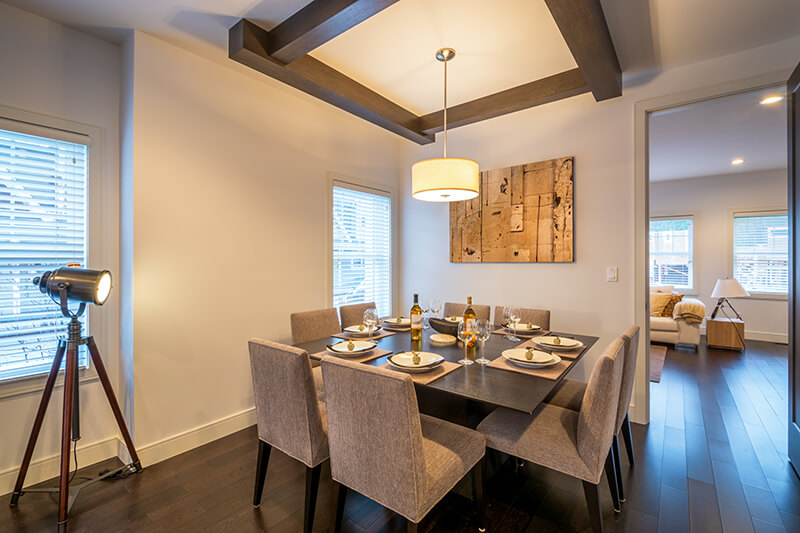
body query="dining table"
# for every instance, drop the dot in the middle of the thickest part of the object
(467, 393)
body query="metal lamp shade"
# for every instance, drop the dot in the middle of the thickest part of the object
(445, 179)
(728, 288)
(91, 286)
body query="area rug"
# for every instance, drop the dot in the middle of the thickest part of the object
(657, 356)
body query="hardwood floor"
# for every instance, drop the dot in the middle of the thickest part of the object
(712, 459)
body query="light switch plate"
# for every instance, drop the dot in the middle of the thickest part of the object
(612, 274)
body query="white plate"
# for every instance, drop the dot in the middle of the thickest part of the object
(442, 338)
(359, 347)
(399, 321)
(454, 318)
(355, 330)
(523, 328)
(566, 343)
(539, 360)
(405, 361)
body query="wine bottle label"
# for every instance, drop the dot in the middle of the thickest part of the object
(416, 321)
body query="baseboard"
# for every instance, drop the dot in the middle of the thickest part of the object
(749, 335)
(188, 440)
(48, 467)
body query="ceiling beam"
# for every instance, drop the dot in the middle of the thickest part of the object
(535, 93)
(247, 44)
(584, 27)
(317, 23)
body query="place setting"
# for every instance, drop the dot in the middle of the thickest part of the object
(567, 347)
(424, 367)
(400, 323)
(360, 351)
(531, 361)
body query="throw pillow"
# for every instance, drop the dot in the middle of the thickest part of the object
(670, 307)
(658, 301)
(667, 289)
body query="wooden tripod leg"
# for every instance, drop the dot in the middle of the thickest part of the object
(37, 423)
(66, 434)
(112, 400)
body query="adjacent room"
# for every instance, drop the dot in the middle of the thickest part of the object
(399, 265)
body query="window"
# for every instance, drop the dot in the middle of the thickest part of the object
(43, 195)
(761, 251)
(362, 246)
(672, 252)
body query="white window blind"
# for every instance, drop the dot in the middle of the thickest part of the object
(362, 247)
(671, 252)
(761, 251)
(42, 227)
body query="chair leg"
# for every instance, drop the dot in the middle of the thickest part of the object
(341, 496)
(618, 467)
(592, 493)
(611, 474)
(626, 434)
(411, 527)
(312, 487)
(478, 501)
(261, 470)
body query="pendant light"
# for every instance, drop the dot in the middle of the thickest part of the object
(445, 179)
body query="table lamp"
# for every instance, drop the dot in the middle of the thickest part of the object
(724, 289)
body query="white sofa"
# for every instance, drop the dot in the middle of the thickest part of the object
(673, 330)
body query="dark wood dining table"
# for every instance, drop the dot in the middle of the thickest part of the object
(476, 384)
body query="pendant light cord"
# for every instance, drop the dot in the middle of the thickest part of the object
(445, 108)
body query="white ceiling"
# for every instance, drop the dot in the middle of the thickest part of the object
(702, 139)
(499, 43)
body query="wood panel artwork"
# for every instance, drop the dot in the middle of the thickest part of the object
(523, 214)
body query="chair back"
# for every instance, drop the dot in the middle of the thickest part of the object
(353, 315)
(375, 433)
(313, 325)
(287, 410)
(537, 317)
(599, 407)
(631, 349)
(482, 312)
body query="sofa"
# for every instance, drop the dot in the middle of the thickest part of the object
(679, 327)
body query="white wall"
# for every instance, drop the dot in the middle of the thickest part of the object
(228, 213)
(601, 137)
(60, 72)
(710, 200)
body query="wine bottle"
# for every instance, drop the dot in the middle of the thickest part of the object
(469, 322)
(416, 320)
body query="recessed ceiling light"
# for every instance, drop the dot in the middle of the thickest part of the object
(771, 99)
(738, 161)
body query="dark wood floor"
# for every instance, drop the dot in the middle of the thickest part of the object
(712, 459)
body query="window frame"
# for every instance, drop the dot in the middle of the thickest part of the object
(371, 187)
(690, 291)
(732, 213)
(95, 321)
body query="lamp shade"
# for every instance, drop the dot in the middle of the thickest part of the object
(445, 179)
(728, 288)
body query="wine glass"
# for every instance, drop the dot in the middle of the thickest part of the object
(370, 320)
(465, 334)
(514, 318)
(435, 306)
(483, 329)
(507, 321)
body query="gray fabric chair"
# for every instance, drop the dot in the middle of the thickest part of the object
(290, 416)
(570, 393)
(384, 449)
(574, 443)
(482, 312)
(313, 325)
(353, 315)
(537, 317)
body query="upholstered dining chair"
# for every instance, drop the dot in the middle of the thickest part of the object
(574, 443)
(482, 312)
(570, 393)
(312, 325)
(289, 415)
(537, 317)
(353, 315)
(383, 448)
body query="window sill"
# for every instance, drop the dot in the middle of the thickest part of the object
(35, 384)
(764, 296)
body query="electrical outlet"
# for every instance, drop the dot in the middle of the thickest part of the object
(612, 274)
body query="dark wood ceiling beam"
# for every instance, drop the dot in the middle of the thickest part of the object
(583, 25)
(317, 23)
(247, 44)
(535, 93)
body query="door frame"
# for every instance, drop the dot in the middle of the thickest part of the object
(793, 152)
(640, 403)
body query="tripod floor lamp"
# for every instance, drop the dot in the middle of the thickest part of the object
(85, 286)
